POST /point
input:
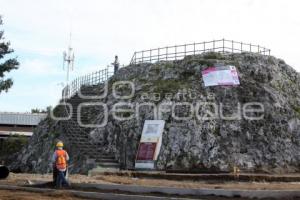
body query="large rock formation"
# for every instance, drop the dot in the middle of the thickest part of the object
(270, 144)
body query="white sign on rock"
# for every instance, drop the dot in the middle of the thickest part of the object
(223, 75)
(150, 144)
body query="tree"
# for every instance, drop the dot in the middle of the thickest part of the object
(8, 64)
(36, 110)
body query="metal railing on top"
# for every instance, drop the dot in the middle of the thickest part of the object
(94, 78)
(180, 51)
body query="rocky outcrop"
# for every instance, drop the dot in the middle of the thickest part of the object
(204, 141)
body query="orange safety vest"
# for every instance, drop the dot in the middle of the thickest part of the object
(61, 159)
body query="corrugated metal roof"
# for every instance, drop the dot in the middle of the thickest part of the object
(21, 118)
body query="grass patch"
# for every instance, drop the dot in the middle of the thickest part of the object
(168, 86)
(213, 55)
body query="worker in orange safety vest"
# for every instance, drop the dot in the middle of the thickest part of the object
(60, 160)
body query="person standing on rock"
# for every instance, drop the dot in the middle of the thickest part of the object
(116, 64)
(60, 158)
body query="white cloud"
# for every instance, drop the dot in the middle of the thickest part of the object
(38, 67)
(27, 96)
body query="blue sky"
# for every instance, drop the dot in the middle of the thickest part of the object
(39, 32)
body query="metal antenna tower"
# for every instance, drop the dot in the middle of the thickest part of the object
(68, 60)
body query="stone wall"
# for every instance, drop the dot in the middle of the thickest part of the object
(267, 145)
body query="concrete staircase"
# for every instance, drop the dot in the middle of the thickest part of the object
(79, 136)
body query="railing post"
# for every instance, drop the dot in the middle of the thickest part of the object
(150, 55)
(194, 48)
(214, 45)
(250, 47)
(232, 46)
(167, 53)
(184, 50)
(142, 56)
(76, 84)
(258, 48)
(204, 47)
(223, 45)
(175, 52)
(158, 54)
(241, 47)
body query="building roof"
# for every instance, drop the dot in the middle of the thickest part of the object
(21, 118)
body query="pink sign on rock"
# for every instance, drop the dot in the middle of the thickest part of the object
(223, 75)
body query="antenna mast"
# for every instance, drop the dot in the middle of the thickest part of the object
(68, 60)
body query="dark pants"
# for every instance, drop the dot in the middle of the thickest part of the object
(54, 175)
(61, 179)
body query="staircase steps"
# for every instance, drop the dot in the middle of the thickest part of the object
(108, 165)
(79, 136)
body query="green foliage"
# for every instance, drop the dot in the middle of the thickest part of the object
(7, 65)
(156, 69)
(208, 63)
(187, 74)
(36, 110)
(168, 65)
(55, 133)
(12, 144)
(297, 110)
(213, 55)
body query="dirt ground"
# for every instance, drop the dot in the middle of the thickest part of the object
(19, 195)
(200, 184)
(27, 179)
